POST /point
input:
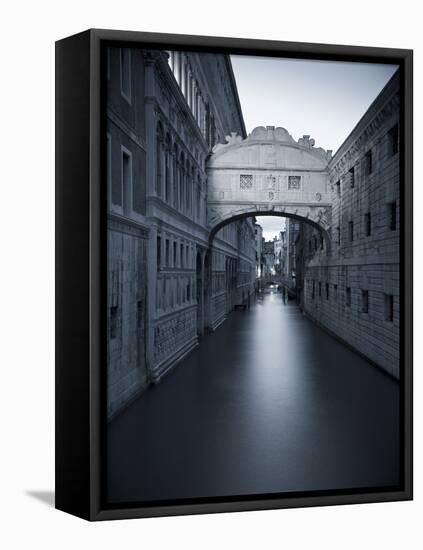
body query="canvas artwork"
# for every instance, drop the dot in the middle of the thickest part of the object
(253, 276)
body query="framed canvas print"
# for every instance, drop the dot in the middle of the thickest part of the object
(234, 274)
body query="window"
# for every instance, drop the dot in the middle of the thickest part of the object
(174, 254)
(338, 235)
(125, 73)
(327, 291)
(368, 162)
(167, 246)
(352, 177)
(140, 315)
(181, 255)
(351, 231)
(367, 224)
(159, 252)
(294, 182)
(389, 307)
(348, 296)
(392, 215)
(320, 289)
(393, 141)
(315, 243)
(127, 180)
(365, 301)
(312, 289)
(246, 181)
(322, 242)
(113, 322)
(338, 188)
(159, 159)
(335, 291)
(188, 292)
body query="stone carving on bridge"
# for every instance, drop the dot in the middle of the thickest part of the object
(278, 135)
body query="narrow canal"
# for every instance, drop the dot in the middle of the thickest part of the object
(268, 403)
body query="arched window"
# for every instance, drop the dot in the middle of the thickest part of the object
(198, 198)
(187, 187)
(181, 182)
(175, 172)
(168, 152)
(159, 159)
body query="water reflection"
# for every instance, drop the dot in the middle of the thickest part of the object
(267, 403)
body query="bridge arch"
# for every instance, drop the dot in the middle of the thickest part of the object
(269, 173)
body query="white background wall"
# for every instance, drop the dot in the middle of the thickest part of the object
(29, 30)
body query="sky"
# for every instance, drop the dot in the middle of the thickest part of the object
(324, 99)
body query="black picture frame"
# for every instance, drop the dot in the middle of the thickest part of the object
(80, 272)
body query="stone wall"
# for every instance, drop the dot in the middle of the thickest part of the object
(126, 289)
(353, 288)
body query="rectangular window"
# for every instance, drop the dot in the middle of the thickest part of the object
(246, 181)
(335, 291)
(367, 224)
(389, 307)
(338, 188)
(181, 255)
(125, 73)
(368, 163)
(392, 215)
(327, 291)
(352, 177)
(167, 259)
(338, 235)
(140, 315)
(351, 231)
(393, 141)
(174, 254)
(159, 252)
(348, 296)
(294, 182)
(312, 290)
(320, 289)
(113, 322)
(126, 180)
(365, 301)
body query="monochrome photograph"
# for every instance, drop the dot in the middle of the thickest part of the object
(253, 275)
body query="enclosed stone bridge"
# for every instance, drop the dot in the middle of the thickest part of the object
(269, 173)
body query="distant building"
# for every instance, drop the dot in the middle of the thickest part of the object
(258, 232)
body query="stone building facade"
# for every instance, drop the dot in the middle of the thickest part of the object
(167, 285)
(353, 288)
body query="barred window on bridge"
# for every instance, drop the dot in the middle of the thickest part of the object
(246, 181)
(294, 182)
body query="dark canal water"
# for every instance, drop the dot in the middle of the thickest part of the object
(268, 403)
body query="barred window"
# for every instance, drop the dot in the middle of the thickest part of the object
(348, 296)
(393, 141)
(294, 182)
(352, 177)
(246, 181)
(365, 301)
(368, 162)
(389, 307)
(392, 215)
